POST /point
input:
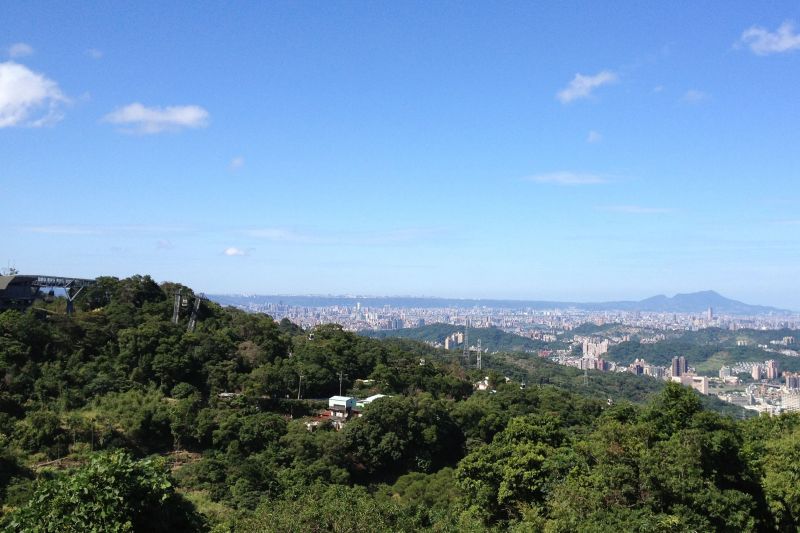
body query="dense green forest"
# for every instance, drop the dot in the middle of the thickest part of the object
(118, 419)
(707, 356)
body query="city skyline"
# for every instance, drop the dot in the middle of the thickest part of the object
(511, 152)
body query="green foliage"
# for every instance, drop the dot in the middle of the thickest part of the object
(41, 431)
(436, 493)
(553, 455)
(707, 349)
(492, 339)
(516, 471)
(113, 493)
(329, 508)
(401, 434)
(140, 417)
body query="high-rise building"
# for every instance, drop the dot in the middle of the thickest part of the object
(657, 372)
(679, 366)
(773, 369)
(637, 367)
(593, 348)
(790, 400)
(755, 372)
(710, 314)
(792, 380)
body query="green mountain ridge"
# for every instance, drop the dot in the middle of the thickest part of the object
(492, 339)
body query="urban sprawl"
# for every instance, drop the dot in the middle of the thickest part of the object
(759, 385)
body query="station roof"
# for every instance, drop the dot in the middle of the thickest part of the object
(35, 280)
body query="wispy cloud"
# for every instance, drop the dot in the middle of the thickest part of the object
(64, 230)
(636, 209)
(694, 96)
(20, 50)
(164, 244)
(279, 235)
(764, 42)
(88, 229)
(28, 98)
(236, 163)
(567, 178)
(147, 120)
(582, 86)
(232, 251)
(371, 238)
(593, 137)
(94, 53)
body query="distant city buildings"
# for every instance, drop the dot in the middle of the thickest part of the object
(594, 347)
(751, 384)
(698, 383)
(773, 369)
(679, 366)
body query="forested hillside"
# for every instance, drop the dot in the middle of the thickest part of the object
(492, 339)
(706, 350)
(118, 419)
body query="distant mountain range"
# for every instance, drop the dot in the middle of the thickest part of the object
(695, 302)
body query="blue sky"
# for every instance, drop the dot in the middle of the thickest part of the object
(513, 150)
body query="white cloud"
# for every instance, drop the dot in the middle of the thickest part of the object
(164, 244)
(233, 252)
(27, 98)
(693, 96)
(764, 42)
(636, 209)
(94, 53)
(19, 50)
(594, 137)
(582, 86)
(148, 120)
(568, 178)
(237, 163)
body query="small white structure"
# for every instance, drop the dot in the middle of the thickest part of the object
(341, 407)
(366, 401)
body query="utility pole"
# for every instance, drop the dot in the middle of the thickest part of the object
(480, 350)
(193, 318)
(341, 376)
(176, 306)
(299, 384)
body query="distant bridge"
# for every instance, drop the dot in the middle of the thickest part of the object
(18, 291)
